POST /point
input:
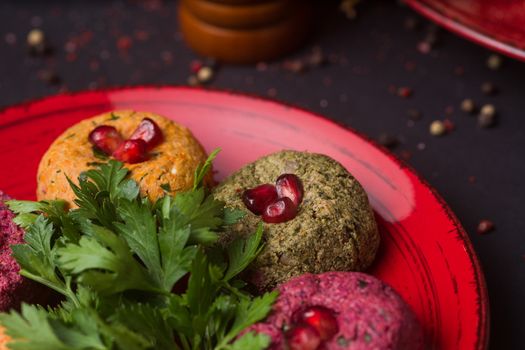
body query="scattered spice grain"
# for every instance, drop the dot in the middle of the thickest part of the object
(468, 106)
(485, 226)
(414, 114)
(388, 140)
(489, 89)
(404, 92)
(494, 62)
(437, 128)
(205, 74)
(487, 116)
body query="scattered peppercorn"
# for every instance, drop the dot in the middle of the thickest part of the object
(205, 74)
(449, 125)
(414, 114)
(468, 106)
(404, 92)
(48, 76)
(485, 226)
(272, 92)
(424, 47)
(348, 8)
(35, 37)
(487, 116)
(195, 66)
(471, 179)
(124, 43)
(405, 154)
(37, 43)
(412, 23)
(421, 146)
(294, 66)
(193, 81)
(388, 140)
(494, 62)
(437, 128)
(489, 89)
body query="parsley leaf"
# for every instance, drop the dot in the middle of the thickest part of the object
(36, 329)
(36, 256)
(241, 253)
(139, 229)
(203, 169)
(120, 262)
(251, 341)
(103, 261)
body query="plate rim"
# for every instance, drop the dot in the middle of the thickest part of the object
(463, 30)
(483, 310)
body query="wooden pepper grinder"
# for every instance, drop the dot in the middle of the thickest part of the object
(245, 31)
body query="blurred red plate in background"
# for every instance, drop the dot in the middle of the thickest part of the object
(496, 24)
(425, 254)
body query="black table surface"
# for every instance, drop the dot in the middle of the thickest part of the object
(478, 171)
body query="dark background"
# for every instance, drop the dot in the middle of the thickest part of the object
(478, 171)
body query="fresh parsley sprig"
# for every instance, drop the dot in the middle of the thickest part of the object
(119, 259)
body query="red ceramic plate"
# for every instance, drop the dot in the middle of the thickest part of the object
(425, 254)
(496, 24)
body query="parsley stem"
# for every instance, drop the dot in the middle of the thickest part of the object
(41, 280)
(233, 290)
(184, 341)
(64, 290)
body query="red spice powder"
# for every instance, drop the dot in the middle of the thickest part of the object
(14, 288)
(10, 234)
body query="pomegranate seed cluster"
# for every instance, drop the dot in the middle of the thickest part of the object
(275, 203)
(312, 326)
(133, 150)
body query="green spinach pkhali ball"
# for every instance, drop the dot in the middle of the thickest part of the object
(334, 229)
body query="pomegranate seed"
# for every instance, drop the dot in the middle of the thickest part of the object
(131, 151)
(281, 210)
(148, 131)
(257, 199)
(106, 138)
(320, 318)
(195, 66)
(303, 337)
(289, 185)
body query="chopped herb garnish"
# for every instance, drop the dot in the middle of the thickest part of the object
(362, 284)
(116, 259)
(368, 338)
(113, 116)
(342, 341)
(99, 154)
